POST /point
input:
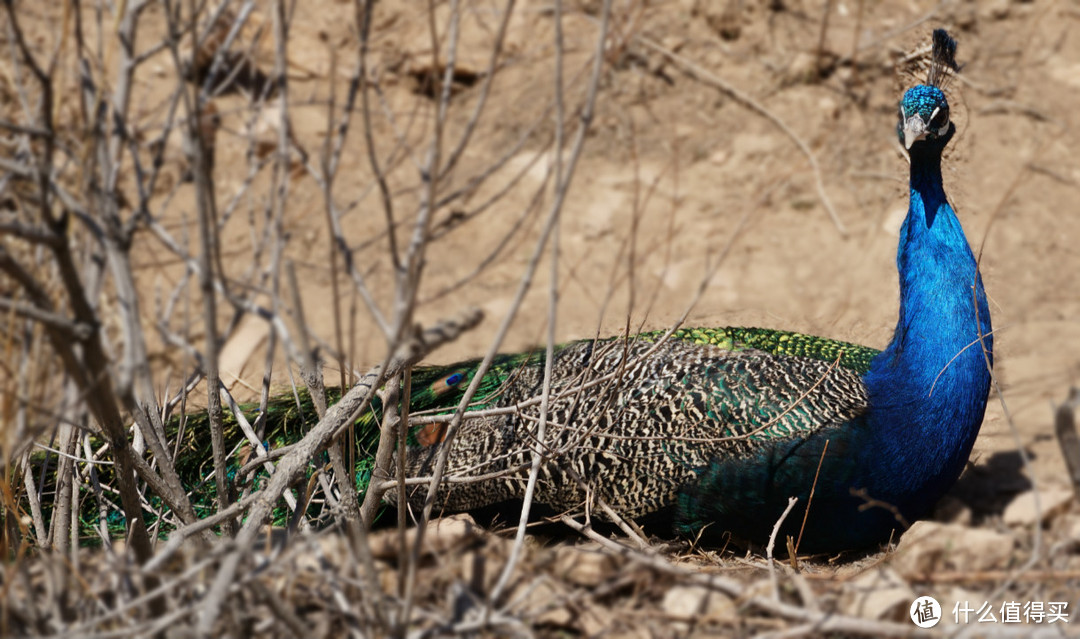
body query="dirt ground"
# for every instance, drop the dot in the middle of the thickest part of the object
(677, 176)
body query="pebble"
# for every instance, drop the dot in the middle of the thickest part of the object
(585, 565)
(1052, 503)
(877, 594)
(698, 605)
(929, 547)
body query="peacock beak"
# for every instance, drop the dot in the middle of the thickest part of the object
(914, 130)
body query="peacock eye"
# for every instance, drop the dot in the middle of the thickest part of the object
(939, 118)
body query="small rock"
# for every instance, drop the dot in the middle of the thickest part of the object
(996, 9)
(1065, 71)
(441, 535)
(548, 602)
(596, 621)
(829, 108)
(1072, 529)
(930, 546)
(241, 346)
(761, 588)
(483, 564)
(719, 157)
(965, 16)
(1052, 502)
(543, 601)
(585, 565)
(673, 42)
(699, 605)
(877, 594)
(803, 69)
(724, 20)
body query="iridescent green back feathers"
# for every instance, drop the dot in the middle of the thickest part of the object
(852, 356)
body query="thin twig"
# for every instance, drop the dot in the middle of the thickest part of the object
(549, 354)
(810, 499)
(772, 542)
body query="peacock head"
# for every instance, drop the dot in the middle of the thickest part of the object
(924, 111)
(924, 115)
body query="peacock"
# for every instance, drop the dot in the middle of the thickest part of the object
(720, 427)
(715, 429)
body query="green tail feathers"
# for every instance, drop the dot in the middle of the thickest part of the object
(435, 390)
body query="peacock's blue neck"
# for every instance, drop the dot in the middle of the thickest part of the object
(928, 388)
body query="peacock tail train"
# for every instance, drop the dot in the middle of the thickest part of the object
(514, 380)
